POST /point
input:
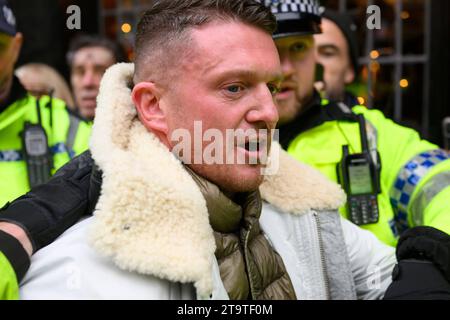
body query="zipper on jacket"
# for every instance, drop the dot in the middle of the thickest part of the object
(322, 257)
(252, 289)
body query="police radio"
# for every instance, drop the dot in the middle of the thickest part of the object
(36, 154)
(359, 175)
(319, 71)
(319, 82)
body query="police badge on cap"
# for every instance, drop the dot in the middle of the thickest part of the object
(7, 19)
(295, 17)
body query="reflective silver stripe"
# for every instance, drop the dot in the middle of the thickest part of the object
(433, 187)
(72, 133)
(16, 155)
(10, 155)
(344, 108)
(372, 140)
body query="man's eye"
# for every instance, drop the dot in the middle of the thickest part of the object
(298, 47)
(234, 88)
(78, 71)
(328, 53)
(100, 70)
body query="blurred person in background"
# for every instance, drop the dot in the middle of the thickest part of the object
(88, 58)
(40, 79)
(337, 52)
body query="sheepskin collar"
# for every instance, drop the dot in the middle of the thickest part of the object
(151, 217)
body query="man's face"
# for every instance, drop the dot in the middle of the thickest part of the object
(298, 65)
(227, 81)
(332, 53)
(9, 52)
(88, 66)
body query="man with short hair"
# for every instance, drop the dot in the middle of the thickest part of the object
(170, 229)
(88, 58)
(166, 229)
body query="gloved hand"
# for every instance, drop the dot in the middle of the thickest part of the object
(51, 208)
(426, 243)
(423, 269)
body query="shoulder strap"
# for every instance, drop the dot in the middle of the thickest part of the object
(332, 111)
(314, 114)
(72, 133)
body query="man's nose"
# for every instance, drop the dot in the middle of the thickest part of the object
(286, 65)
(265, 109)
(88, 79)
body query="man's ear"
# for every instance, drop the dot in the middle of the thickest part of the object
(146, 98)
(17, 45)
(349, 75)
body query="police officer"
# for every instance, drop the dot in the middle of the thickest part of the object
(393, 179)
(37, 136)
(337, 52)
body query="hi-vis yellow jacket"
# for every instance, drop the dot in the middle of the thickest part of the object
(415, 174)
(67, 136)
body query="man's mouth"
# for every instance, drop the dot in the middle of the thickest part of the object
(287, 90)
(89, 102)
(91, 98)
(254, 149)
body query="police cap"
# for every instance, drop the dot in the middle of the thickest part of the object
(295, 17)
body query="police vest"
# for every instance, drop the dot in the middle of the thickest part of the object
(67, 136)
(415, 174)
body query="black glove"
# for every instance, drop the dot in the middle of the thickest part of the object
(15, 253)
(423, 270)
(51, 208)
(426, 243)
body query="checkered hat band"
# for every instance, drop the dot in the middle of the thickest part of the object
(301, 6)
